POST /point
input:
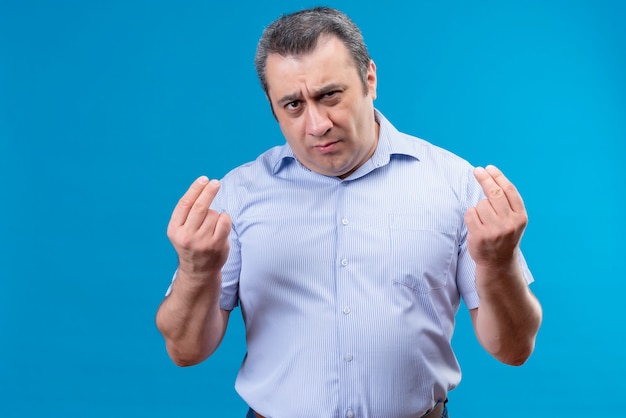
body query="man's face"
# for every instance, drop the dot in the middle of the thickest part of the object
(323, 112)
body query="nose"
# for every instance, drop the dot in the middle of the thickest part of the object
(317, 121)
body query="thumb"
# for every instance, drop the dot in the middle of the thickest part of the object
(222, 226)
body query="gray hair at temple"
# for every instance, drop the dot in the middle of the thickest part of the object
(297, 34)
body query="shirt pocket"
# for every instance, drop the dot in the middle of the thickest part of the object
(422, 252)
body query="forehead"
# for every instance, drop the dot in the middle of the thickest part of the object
(329, 62)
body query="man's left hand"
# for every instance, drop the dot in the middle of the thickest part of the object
(496, 224)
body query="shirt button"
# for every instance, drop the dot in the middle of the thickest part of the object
(348, 357)
(350, 413)
(344, 262)
(346, 310)
(345, 221)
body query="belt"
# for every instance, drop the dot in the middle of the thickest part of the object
(433, 413)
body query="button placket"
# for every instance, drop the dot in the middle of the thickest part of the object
(344, 294)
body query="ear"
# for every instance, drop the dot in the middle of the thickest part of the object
(371, 80)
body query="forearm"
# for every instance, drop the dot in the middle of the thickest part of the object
(509, 315)
(191, 320)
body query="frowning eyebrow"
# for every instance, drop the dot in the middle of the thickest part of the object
(315, 93)
(289, 98)
(328, 88)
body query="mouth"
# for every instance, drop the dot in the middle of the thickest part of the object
(327, 147)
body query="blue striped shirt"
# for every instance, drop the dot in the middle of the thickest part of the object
(349, 288)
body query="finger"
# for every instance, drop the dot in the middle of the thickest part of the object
(200, 208)
(211, 225)
(472, 219)
(486, 213)
(510, 191)
(495, 194)
(181, 211)
(222, 227)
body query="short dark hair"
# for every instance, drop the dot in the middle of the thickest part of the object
(298, 33)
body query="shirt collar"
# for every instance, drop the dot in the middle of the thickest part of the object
(390, 142)
(283, 157)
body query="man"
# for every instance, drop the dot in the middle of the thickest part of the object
(348, 249)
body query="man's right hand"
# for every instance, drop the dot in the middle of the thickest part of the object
(199, 234)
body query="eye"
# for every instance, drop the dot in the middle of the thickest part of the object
(331, 97)
(292, 105)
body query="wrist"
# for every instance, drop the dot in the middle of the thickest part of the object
(198, 281)
(500, 276)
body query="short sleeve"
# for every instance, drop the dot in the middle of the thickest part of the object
(466, 268)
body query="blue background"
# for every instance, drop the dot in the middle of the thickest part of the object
(108, 110)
